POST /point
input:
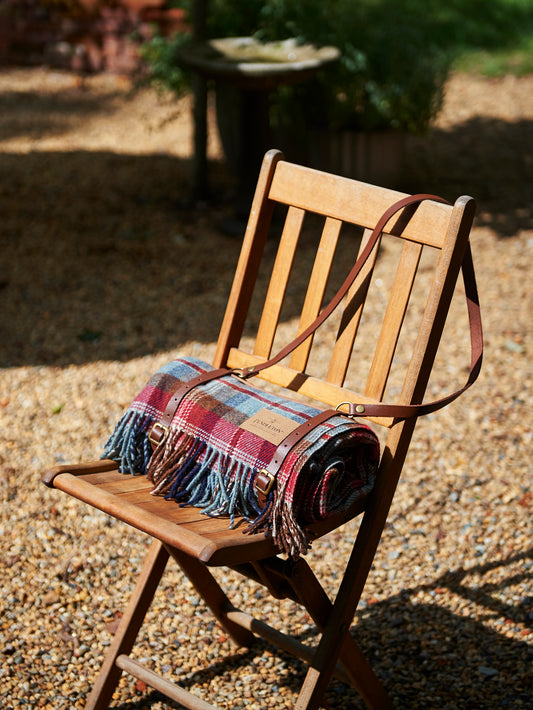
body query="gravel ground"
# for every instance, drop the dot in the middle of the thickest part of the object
(107, 274)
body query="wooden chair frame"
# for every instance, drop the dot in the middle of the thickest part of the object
(197, 543)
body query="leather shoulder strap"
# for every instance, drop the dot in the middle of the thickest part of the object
(474, 315)
(404, 411)
(160, 429)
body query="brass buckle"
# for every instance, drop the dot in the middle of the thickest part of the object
(162, 437)
(269, 485)
(359, 409)
(243, 373)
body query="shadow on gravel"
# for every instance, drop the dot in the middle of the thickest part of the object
(425, 655)
(489, 159)
(102, 261)
(30, 114)
(430, 657)
(102, 257)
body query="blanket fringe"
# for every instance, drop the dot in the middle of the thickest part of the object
(190, 472)
(129, 445)
(185, 469)
(290, 537)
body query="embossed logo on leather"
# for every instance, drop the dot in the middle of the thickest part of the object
(269, 425)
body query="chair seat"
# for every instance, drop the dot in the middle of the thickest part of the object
(186, 528)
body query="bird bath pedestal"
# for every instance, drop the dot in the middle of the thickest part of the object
(245, 71)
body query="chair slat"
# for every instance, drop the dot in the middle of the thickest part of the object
(278, 282)
(316, 289)
(392, 323)
(351, 317)
(342, 198)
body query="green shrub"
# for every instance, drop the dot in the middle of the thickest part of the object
(395, 54)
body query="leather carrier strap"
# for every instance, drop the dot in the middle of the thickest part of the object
(398, 411)
(266, 477)
(160, 429)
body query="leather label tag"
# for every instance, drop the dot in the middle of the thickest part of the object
(269, 425)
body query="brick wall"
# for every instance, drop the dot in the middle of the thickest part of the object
(83, 35)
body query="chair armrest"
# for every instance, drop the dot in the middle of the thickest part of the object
(78, 469)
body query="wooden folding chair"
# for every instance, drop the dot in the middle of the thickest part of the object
(198, 542)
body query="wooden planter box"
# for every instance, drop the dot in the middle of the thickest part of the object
(376, 157)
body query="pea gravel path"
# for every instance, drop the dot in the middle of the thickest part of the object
(105, 275)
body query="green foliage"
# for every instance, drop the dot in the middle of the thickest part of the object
(517, 62)
(493, 37)
(499, 41)
(395, 54)
(159, 53)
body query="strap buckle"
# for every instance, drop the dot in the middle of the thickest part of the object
(238, 372)
(158, 434)
(264, 482)
(353, 411)
(243, 373)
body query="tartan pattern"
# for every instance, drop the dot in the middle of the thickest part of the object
(208, 461)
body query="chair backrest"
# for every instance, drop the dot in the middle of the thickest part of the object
(342, 203)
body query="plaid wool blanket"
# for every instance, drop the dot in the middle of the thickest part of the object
(210, 460)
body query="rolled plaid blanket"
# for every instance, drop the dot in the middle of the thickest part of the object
(211, 456)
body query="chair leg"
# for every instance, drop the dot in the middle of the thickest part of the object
(336, 639)
(213, 595)
(315, 600)
(129, 627)
(336, 631)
